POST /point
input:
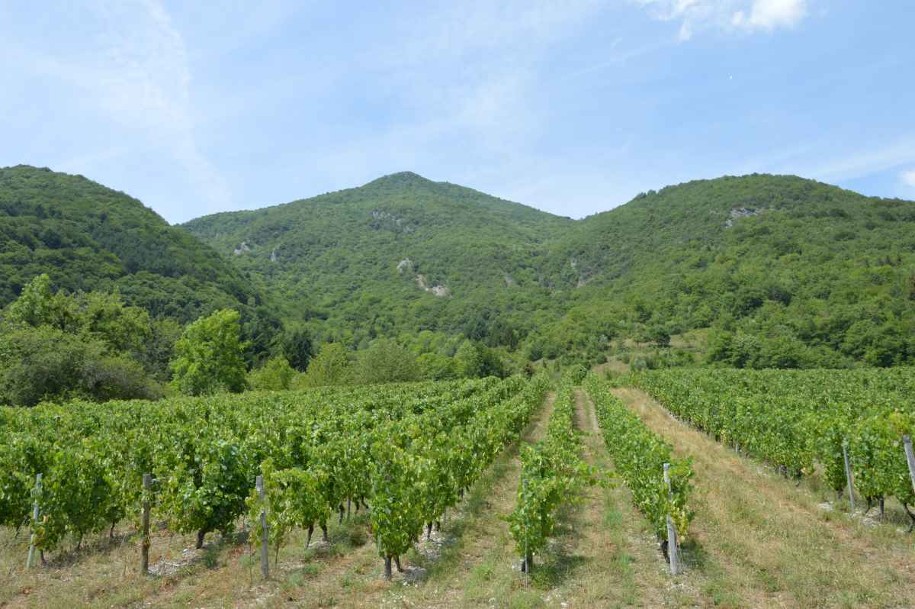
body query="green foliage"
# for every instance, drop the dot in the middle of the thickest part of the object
(330, 367)
(364, 263)
(209, 355)
(293, 498)
(397, 516)
(787, 272)
(385, 362)
(406, 448)
(90, 345)
(275, 375)
(86, 237)
(795, 420)
(35, 305)
(77, 495)
(44, 363)
(474, 360)
(552, 472)
(639, 456)
(436, 367)
(298, 348)
(206, 487)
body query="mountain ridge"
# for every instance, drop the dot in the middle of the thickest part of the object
(758, 260)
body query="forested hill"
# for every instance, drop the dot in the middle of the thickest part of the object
(398, 255)
(783, 271)
(88, 237)
(757, 271)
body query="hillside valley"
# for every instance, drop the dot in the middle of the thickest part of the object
(767, 271)
(785, 271)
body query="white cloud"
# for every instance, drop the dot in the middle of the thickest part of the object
(726, 15)
(771, 14)
(908, 177)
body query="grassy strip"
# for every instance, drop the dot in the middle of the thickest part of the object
(639, 455)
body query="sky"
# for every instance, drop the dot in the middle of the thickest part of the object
(573, 107)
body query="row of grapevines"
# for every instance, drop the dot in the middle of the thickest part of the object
(639, 456)
(795, 420)
(416, 468)
(204, 452)
(551, 472)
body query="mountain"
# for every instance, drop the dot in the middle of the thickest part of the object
(398, 255)
(88, 237)
(775, 270)
(754, 271)
(786, 271)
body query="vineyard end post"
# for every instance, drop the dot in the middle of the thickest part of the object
(910, 457)
(526, 560)
(144, 523)
(673, 551)
(35, 514)
(848, 476)
(265, 556)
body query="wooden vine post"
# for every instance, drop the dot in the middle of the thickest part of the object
(265, 541)
(910, 457)
(672, 549)
(527, 564)
(848, 475)
(144, 524)
(35, 514)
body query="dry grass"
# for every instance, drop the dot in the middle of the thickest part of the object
(620, 562)
(761, 541)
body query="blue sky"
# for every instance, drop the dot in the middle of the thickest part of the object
(572, 107)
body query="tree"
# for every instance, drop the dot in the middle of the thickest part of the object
(38, 306)
(275, 375)
(330, 367)
(210, 355)
(385, 362)
(474, 360)
(298, 348)
(45, 363)
(468, 360)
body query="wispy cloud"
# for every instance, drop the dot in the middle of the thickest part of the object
(824, 160)
(469, 72)
(727, 15)
(865, 162)
(908, 178)
(134, 70)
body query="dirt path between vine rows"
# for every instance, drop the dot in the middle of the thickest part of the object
(761, 542)
(620, 561)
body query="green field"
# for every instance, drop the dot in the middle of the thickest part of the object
(428, 476)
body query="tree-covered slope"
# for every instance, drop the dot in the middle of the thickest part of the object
(88, 237)
(782, 271)
(786, 271)
(400, 254)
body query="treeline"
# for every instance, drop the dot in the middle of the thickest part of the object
(56, 346)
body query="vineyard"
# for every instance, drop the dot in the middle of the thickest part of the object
(552, 472)
(639, 455)
(409, 450)
(589, 480)
(798, 421)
